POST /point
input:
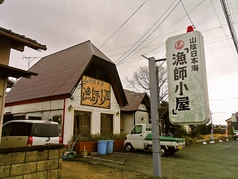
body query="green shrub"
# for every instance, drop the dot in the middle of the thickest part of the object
(96, 137)
(189, 140)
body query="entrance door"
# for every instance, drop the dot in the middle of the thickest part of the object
(106, 123)
(82, 122)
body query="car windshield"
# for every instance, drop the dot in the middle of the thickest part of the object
(45, 130)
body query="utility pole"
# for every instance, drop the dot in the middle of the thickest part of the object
(154, 117)
(230, 23)
(212, 135)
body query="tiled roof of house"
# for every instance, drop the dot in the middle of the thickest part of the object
(19, 41)
(60, 72)
(134, 100)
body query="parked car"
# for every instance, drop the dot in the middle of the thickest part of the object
(141, 138)
(30, 132)
(235, 136)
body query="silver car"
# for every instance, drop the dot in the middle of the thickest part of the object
(30, 132)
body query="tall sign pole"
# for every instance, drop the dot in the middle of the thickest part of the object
(154, 117)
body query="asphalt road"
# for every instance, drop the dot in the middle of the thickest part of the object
(218, 160)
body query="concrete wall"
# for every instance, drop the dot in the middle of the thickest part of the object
(42, 162)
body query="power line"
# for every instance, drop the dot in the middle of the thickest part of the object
(123, 24)
(187, 14)
(217, 60)
(118, 61)
(111, 66)
(171, 27)
(163, 34)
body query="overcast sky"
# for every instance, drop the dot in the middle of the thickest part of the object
(126, 29)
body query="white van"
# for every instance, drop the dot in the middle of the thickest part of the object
(17, 133)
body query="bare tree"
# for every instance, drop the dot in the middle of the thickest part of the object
(140, 82)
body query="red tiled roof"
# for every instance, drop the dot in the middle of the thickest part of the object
(60, 72)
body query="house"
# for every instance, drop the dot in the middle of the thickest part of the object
(78, 87)
(136, 112)
(11, 40)
(232, 122)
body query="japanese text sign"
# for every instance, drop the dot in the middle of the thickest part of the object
(187, 82)
(95, 93)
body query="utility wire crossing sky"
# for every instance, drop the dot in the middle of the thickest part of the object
(125, 30)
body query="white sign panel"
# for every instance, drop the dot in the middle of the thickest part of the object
(187, 83)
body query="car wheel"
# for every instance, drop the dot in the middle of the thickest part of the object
(163, 151)
(128, 147)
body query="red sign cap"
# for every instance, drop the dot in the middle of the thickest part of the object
(190, 28)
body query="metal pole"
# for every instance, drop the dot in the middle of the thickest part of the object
(154, 118)
(212, 135)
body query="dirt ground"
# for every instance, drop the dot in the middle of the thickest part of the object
(78, 170)
(213, 160)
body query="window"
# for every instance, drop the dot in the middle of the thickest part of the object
(34, 118)
(148, 127)
(21, 129)
(106, 123)
(82, 122)
(45, 130)
(137, 130)
(17, 129)
(6, 131)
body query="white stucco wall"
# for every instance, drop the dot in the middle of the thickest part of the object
(48, 109)
(95, 114)
(128, 122)
(141, 116)
(233, 117)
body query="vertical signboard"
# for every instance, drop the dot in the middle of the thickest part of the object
(95, 93)
(187, 83)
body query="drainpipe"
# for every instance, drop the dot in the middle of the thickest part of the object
(134, 117)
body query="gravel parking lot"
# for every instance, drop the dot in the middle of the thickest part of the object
(219, 160)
